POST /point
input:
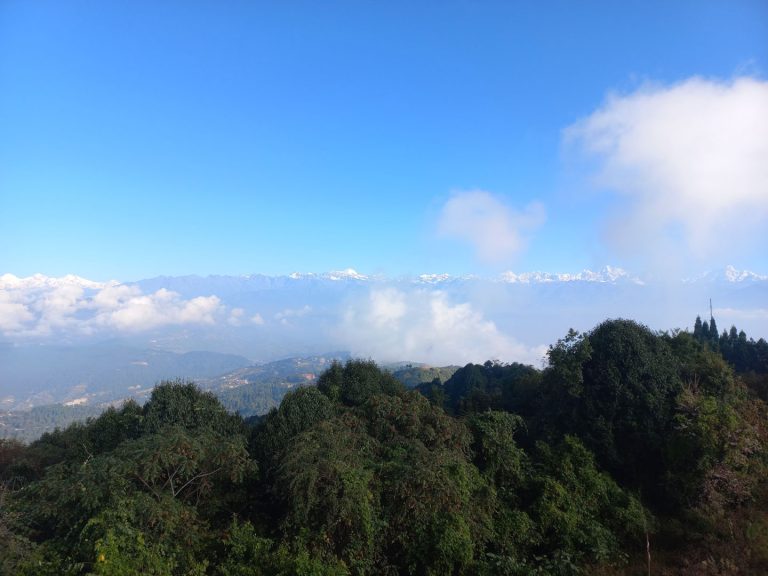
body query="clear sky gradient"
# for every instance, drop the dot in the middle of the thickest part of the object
(148, 138)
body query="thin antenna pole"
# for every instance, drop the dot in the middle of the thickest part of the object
(710, 309)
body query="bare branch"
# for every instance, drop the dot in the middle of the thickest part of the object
(198, 477)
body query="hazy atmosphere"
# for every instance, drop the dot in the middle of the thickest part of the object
(464, 168)
(384, 288)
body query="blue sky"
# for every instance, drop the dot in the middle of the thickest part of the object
(146, 138)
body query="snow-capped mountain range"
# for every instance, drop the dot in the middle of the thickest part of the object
(607, 274)
(729, 274)
(40, 281)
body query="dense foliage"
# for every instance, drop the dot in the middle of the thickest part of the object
(627, 441)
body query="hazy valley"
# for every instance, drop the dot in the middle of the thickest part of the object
(71, 340)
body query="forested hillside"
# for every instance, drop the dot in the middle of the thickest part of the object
(28, 425)
(632, 452)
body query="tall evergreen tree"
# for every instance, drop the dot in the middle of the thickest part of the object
(697, 329)
(713, 334)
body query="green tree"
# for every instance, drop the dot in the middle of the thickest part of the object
(698, 329)
(326, 483)
(248, 554)
(123, 505)
(496, 452)
(581, 513)
(437, 508)
(713, 337)
(183, 465)
(357, 381)
(114, 426)
(181, 403)
(491, 386)
(300, 410)
(616, 391)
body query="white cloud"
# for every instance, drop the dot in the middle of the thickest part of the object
(142, 312)
(387, 307)
(13, 314)
(495, 230)
(689, 163)
(36, 307)
(200, 310)
(39, 306)
(425, 326)
(257, 319)
(56, 306)
(115, 296)
(284, 316)
(236, 317)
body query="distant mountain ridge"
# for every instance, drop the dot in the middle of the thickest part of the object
(729, 274)
(250, 390)
(606, 274)
(96, 374)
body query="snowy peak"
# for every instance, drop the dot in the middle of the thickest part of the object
(40, 281)
(606, 274)
(729, 274)
(433, 278)
(733, 275)
(348, 274)
(334, 275)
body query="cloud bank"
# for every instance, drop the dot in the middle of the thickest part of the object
(438, 320)
(425, 326)
(41, 306)
(688, 163)
(13, 313)
(126, 308)
(496, 231)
